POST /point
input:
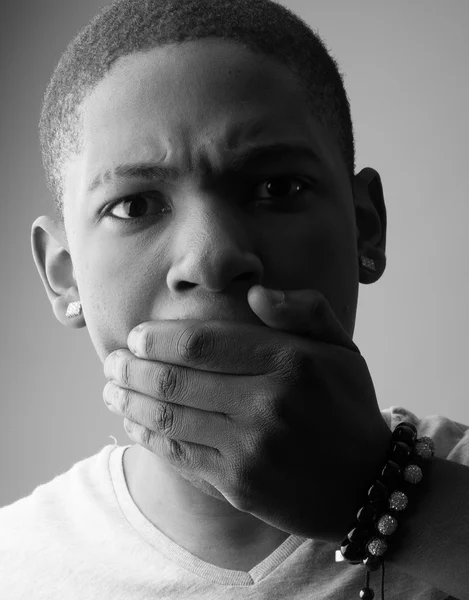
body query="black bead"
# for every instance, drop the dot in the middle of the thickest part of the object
(367, 594)
(406, 424)
(372, 563)
(399, 453)
(367, 514)
(351, 550)
(404, 434)
(361, 535)
(377, 492)
(391, 475)
(382, 506)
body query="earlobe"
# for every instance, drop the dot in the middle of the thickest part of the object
(54, 264)
(371, 221)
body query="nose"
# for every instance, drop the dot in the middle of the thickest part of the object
(214, 246)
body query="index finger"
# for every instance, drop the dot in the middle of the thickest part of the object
(218, 346)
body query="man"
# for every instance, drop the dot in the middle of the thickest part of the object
(261, 440)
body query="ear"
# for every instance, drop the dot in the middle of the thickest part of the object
(371, 219)
(52, 257)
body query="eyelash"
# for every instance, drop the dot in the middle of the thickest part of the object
(306, 183)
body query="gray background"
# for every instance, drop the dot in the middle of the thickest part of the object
(405, 68)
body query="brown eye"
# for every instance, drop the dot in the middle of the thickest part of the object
(281, 187)
(136, 206)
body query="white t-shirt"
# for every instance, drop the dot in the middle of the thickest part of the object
(81, 537)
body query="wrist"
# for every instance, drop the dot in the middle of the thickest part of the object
(363, 476)
(387, 499)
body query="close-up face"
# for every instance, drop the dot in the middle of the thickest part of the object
(191, 244)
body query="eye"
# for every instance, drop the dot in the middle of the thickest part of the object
(134, 207)
(282, 187)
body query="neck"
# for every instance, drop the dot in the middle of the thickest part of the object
(195, 515)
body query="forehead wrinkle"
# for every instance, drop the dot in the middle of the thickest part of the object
(235, 162)
(237, 134)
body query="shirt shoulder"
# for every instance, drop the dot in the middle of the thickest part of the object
(48, 535)
(53, 508)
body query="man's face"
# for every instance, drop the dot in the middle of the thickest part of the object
(207, 236)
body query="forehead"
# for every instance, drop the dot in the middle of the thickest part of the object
(176, 76)
(188, 102)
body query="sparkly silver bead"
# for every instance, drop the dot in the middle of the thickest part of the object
(387, 525)
(423, 450)
(398, 501)
(377, 547)
(429, 441)
(412, 473)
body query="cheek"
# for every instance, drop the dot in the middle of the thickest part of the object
(113, 306)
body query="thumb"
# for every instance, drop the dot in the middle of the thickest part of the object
(304, 312)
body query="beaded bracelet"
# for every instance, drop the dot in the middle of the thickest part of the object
(368, 541)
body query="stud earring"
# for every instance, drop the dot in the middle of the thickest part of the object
(74, 309)
(368, 263)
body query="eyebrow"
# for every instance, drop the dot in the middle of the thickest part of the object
(153, 171)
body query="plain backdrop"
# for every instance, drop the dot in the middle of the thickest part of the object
(405, 67)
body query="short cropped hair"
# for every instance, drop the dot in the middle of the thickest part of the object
(128, 26)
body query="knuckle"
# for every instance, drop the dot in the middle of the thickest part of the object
(251, 454)
(195, 343)
(297, 364)
(124, 401)
(266, 413)
(148, 344)
(176, 452)
(124, 371)
(281, 356)
(165, 418)
(168, 382)
(262, 405)
(286, 363)
(146, 436)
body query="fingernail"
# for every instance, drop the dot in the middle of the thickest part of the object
(132, 340)
(109, 365)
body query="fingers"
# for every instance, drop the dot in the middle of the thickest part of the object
(231, 395)
(166, 419)
(216, 346)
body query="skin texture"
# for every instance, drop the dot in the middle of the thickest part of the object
(207, 239)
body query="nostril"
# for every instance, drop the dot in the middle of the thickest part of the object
(245, 277)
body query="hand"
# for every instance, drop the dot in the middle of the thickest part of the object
(285, 425)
